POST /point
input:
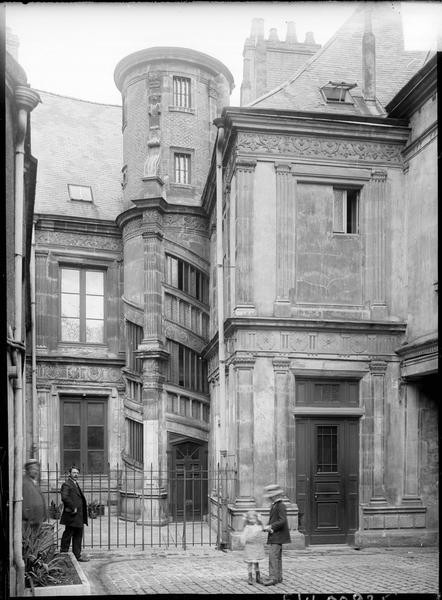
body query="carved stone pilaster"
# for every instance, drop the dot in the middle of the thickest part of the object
(282, 421)
(244, 366)
(245, 173)
(377, 411)
(411, 449)
(375, 196)
(285, 247)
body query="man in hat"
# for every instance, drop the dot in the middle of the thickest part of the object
(34, 505)
(279, 533)
(74, 515)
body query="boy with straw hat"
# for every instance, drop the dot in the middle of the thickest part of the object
(279, 533)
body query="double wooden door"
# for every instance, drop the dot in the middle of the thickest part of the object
(188, 481)
(327, 466)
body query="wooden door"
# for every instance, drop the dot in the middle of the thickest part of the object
(188, 481)
(84, 434)
(327, 478)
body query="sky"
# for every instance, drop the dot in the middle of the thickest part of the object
(73, 48)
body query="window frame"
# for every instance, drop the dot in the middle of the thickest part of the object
(187, 170)
(178, 96)
(82, 303)
(176, 269)
(350, 224)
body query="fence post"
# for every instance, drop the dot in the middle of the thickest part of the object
(218, 542)
(109, 507)
(184, 509)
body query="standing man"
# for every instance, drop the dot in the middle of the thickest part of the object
(74, 515)
(279, 533)
(34, 505)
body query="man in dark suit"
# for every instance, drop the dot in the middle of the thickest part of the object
(279, 533)
(34, 505)
(74, 515)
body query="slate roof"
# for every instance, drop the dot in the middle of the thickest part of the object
(77, 142)
(340, 59)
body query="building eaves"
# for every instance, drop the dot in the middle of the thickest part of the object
(410, 97)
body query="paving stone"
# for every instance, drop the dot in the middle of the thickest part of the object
(309, 571)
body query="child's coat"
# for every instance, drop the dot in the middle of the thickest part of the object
(253, 537)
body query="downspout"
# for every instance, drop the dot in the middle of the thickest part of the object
(26, 100)
(34, 448)
(219, 122)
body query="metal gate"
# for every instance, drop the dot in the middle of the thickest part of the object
(132, 508)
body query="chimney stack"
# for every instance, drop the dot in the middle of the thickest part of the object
(368, 58)
(309, 38)
(273, 35)
(291, 33)
(257, 30)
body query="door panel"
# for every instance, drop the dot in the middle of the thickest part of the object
(188, 481)
(84, 434)
(327, 478)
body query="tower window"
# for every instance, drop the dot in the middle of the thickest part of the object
(182, 167)
(345, 211)
(181, 92)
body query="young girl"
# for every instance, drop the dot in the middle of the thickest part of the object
(252, 537)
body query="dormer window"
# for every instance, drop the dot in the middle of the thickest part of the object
(80, 192)
(338, 92)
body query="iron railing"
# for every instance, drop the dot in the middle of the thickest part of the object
(129, 507)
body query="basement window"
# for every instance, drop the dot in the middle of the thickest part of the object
(345, 210)
(338, 92)
(80, 192)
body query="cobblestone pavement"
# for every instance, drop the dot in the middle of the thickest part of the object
(318, 570)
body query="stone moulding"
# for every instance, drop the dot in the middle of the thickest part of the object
(320, 148)
(79, 373)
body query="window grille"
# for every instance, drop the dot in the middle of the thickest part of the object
(181, 92)
(135, 440)
(182, 167)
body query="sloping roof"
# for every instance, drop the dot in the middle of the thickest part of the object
(81, 143)
(340, 59)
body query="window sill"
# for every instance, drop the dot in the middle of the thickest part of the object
(344, 234)
(190, 111)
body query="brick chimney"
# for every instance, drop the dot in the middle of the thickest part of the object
(368, 58)
(291, 38)
(273, 35)
(257, 30)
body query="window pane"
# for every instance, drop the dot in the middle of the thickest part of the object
(327, 460)
(94, 282)
(94, 307)
(95, 461)
(95, 437)
(70, 305)
(95, 413)
(71, 413)
(71, 437)
(70, 281)
(71, 457)
(70, 330)
(94, 331)
(338, 211)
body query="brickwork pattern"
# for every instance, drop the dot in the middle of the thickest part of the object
(208, 571)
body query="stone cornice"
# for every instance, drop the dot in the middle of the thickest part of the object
(418, 348)
(159, 204)
(390, 328)
(415, 92)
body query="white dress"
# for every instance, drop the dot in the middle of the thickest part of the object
(253, 538)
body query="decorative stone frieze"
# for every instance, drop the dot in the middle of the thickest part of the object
(79, 373)
(78, 240)
(311, 342)
(132, 227)
(319, 148)
(191, 223)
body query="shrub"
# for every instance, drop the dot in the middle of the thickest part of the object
(43, 566)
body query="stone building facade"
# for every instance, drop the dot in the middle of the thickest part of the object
(329, 318)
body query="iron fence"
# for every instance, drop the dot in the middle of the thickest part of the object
(133, 508)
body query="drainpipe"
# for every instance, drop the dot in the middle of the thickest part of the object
(34, 448)
(219, 122)
(26, 100)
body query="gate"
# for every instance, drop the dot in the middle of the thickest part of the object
(132, 508)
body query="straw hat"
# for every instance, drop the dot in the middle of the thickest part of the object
(270, 491)
(30, 462)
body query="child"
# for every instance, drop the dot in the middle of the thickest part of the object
(253, 538)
